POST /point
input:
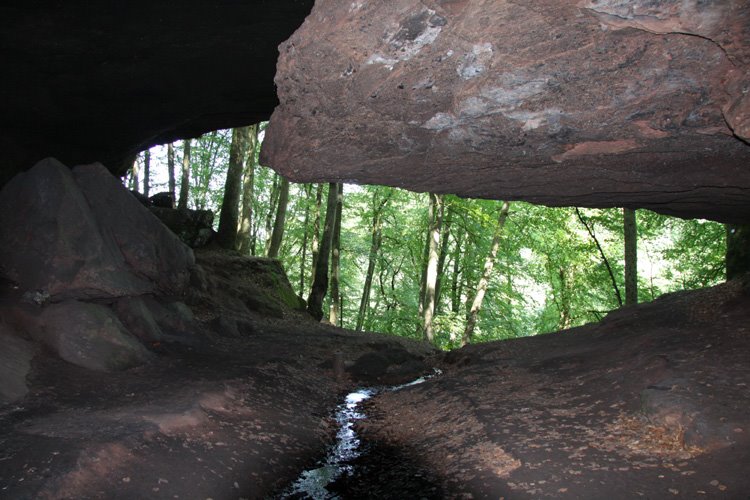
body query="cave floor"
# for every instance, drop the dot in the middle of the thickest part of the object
(650, 403)
(229, 418)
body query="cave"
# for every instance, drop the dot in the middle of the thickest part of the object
(135, 366)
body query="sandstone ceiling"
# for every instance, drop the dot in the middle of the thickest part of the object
(599, 103)
(99, 81)
(582, 102)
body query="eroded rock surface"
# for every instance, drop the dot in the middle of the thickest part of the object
(15, 364)
(90, 336)
(81, 235)
(588, 103)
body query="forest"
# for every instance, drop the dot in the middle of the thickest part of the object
(424, 265)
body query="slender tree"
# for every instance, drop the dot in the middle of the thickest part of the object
(316, 225)
(277, 235)
(209, 147)
(228, 220)
(146, 172)
(455, 283)
(320, 278)
(428, 306)
(185, 181)
(273, 203)
(376, 241)
(484, 280)
(618, 296)
(445, 239)
(630, 231)
(334, 312)
(305, 236)
(170, 171)
(134, 177)
(245, 231)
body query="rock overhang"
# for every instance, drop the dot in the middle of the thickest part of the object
(600, 103)
(100, 82)
(589, 103)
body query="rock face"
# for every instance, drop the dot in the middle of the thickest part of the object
(150, 250)
(193, 227)
(89, 335)
(50, 241)
(587, 103)
(86, 83)
(82, 235)
(15, 365)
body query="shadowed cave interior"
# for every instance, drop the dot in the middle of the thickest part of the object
(145, 355)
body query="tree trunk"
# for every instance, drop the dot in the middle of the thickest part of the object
(228, 220)
(305, 230)
(334, 311)
(375, 243)
(423, 263)
(455, 291)
(484, 280)
(134, 179)
(445, 239)
(146, 173)
(320, 278)
(630, 230)
(278, 225)
(206, 166)
(273, 200)
(316, 226)
(618, 296)
(170, 171)
(244, 236)
(185, 181)
(428, 307)
(738, 250)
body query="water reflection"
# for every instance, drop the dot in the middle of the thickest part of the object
(313, 483)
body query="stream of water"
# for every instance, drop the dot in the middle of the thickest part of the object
(313, 483)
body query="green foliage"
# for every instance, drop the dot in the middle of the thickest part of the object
(549, 274)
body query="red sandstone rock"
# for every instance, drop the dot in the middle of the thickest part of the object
(50, 240)
(15, 365)
(589, 103)
(150, 250)
(89, 335)
(83, 236)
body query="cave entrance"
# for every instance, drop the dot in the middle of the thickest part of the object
(537, 269)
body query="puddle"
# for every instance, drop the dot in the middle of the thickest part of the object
(313, 483)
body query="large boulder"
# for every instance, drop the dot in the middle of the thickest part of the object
(81, 235)
(567, 102)
(150, 250)
(90, 336)
(15, 364)
(137, 318)
(50, 239)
